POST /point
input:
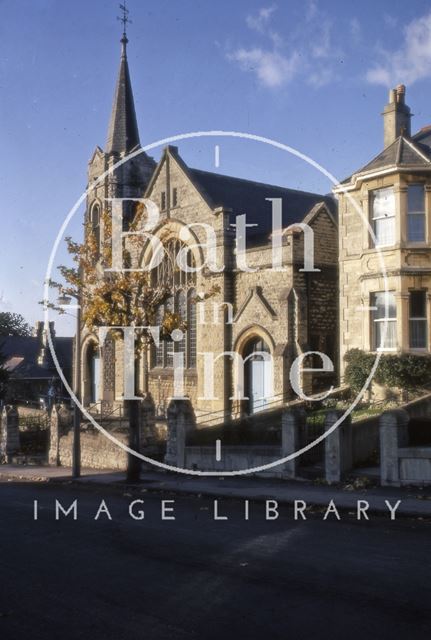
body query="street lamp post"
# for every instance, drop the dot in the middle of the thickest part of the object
(76, 451)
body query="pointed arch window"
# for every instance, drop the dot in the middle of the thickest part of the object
(181, 284)
(181, 306)
(94, 221)
(191, 329)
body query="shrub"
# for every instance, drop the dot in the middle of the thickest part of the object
(406, 371)
(358, 368)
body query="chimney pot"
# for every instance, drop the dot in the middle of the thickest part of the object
(396, 116)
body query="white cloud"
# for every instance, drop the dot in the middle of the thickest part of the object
(259, 22)
(323, 77)
(311, 11)
(4, 302)
(322, 46)
(272, 68)
(307, 49)
(411, 62)
(390, 21)
(355, 29)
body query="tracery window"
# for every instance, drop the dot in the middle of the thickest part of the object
(181, 301)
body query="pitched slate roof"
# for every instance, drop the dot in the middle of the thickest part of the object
(123, 134)
(423, 139)
(20, 354)
(246, 196)
(403, 151)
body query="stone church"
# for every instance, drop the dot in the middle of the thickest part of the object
(262, 310)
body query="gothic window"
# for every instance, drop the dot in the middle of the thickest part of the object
(174, 197)
(181, 284)
(158, 350)
(181, 306)
(191, 329)
(95, 221)
(169, 344)
(163, 200)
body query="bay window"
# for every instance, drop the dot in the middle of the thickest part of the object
(383, 313)
(383, 216)
(416, 213)
(418, 320)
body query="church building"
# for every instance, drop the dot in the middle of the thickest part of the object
(262, 310)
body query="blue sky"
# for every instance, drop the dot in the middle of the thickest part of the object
(313, 75)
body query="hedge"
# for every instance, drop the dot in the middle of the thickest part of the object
(406, 371)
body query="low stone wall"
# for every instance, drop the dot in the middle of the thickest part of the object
(401, 464)
(97, 451)
(233, 458)
(415, 465)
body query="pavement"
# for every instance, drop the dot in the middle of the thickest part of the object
(414, 501)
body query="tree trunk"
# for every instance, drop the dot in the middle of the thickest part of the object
(133, 463)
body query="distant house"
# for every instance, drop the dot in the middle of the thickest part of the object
(31, 368)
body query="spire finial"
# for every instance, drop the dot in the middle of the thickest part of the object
(124, 18)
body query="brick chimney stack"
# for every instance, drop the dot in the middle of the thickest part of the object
(396, 116)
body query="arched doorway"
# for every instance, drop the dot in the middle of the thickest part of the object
(257, 375)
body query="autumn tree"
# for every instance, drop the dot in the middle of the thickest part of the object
(121, 298)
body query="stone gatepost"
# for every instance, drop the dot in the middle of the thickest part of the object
(292, 423)
(60, 421)
(393, 434)
(181, 420)
(338, 447)
(9, 440)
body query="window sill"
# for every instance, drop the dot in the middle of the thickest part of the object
(412, 244)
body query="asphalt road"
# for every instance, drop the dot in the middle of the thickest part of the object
(197, 578)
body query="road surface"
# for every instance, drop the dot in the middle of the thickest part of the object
(194, 577)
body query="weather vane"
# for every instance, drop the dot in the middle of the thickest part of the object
(124, 18)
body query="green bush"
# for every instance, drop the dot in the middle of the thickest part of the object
(406, 371)
(359, 365)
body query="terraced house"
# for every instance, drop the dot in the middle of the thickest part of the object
(385, 226)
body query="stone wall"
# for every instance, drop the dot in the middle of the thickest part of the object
(402, 464)
(97, 451)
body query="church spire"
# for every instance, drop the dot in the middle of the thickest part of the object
(123, 135)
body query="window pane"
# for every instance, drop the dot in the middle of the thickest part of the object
(418, 334)
(159, 348)
(191, 329)
(383, 203)
(384, 230)
(416, 227)
(390, 341)
(416, 198)
(169, 345)
(182, 311)
(417, 304)
(378, 300)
